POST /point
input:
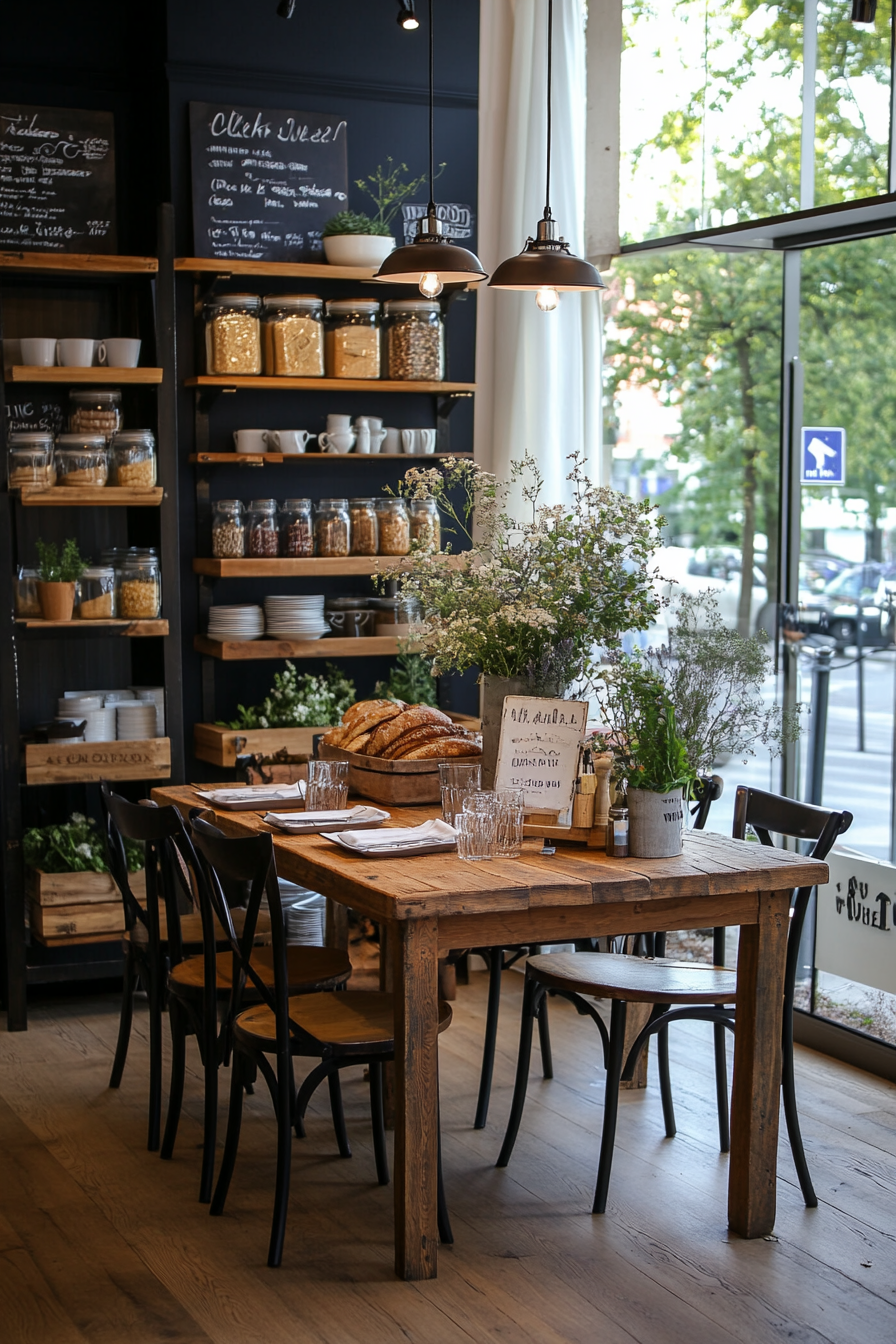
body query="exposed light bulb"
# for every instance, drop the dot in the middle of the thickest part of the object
(407, 19)
(430, 284)
(547, 299)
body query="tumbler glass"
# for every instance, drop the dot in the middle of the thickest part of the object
(457, 780)
(509, 828)
(327, 786)
(476, 827)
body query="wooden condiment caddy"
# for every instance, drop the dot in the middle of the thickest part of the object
(589, 812)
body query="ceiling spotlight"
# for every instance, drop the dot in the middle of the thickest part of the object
(407, 19)
(286, 8)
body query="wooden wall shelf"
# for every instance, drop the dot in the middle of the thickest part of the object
(129, 629)
(220, 746)
(88, 762)
(310, 567)
(374, 646)
(99, 374)
(276, 459)
(294, 270)
(77, 263)
(105, 496)
(274, 384)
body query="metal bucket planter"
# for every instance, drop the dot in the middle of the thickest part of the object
(656, 823)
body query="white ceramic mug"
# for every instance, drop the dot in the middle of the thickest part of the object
(376, 439)
(338, 424)
(76, 352)
(362, 435)
(340, 442)
(119, 352)
(38, 351)
(286, 440)
(391, 440)
(250, 440)
(426, 440)
(409, 442)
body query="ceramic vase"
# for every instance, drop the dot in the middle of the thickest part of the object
(57, 600)
(656, 822)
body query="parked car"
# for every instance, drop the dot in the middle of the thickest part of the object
(835, 611)
(710, 570)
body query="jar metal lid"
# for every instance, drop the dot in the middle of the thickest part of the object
(228, 503)
(385, 504)
(75, 443)
(252, 301)
(337, 306)
(31, 452)
(298, 505)
(361, 503)
(101, 396)
(99, 572)
(131, 438)
(332, 504)
(263, 505)
(413, 306)
(301, 302)
(21, 438)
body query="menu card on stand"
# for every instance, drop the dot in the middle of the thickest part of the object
(539, 750)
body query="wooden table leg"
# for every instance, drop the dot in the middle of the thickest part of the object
(416, 1088)
(756, 1089)
(388, 934)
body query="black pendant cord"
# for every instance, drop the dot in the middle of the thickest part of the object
(432, 157)
(547, 185)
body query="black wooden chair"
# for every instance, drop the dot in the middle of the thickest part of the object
(677, 990)
(200, 985)
(341, 1029)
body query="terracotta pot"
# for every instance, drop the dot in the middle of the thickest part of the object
(492, 691)
(656, 823)
(57, 600)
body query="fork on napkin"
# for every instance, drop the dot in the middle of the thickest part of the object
(433, 832)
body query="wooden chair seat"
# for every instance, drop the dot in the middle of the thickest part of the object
(608, 975)
(191, 928)
(354, 1021)
(311, 966)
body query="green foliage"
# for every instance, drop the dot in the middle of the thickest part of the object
(74, 846)
(295, 701)
(55, 568)
(387, 190)
(410, 679)
(649, 749)
(349, 221)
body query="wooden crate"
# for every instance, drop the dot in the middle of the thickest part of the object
(87, 762)
(221, 746)
(80, 889)
(57, 923)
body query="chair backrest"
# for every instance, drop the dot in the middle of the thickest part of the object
(706, 790)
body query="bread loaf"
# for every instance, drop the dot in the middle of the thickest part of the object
(355, 743)
(377, 712)
(416, 737)
(444, 746)
(361, 708)
(390, 731)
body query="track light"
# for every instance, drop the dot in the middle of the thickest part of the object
(407, 18)
(286, 8)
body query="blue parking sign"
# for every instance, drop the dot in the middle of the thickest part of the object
(823, 460)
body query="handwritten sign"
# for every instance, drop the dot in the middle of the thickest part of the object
(57, 179)
(854, 934)
(539, 750)
(45, 412)
(265, 181)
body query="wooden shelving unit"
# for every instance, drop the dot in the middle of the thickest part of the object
(310, 567)
(99, 374)
(104, 497)
(77, 263)
(275, 384)
(89, 762)
(128, 629)
(287, 270)
(277, 459)
(374, 646)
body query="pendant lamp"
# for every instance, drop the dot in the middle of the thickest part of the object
(430, 261)
(546, 266)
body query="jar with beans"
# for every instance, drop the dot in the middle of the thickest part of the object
(365, 529)
(140, 586)
(415, 340)
(228, 530)
(332, 528)
(263, 532)
(353, 338)
(296, 532)
(426, 527)
(81, 460)
(94, 410)
(394, 526)
(133, 455)
(292, 335)
(233, 334)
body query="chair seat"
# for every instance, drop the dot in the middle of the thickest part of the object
(315, 967)
(356, 1020)
(610, 975)
(191, 928)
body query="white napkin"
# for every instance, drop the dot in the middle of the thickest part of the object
(399, 837)
(256, 793)
(302, 821)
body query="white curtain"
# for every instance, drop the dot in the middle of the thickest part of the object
(538, 374)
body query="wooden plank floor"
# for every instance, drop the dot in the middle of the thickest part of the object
(102, 1243)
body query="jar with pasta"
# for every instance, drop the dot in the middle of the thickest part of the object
(296, 531)
(426, 527)
(233, 334)
(262, 531)
(414, 339)
(31, 460)
(292, 335)
(353, 338)
(228, 530)
(394, 526)
(96, 599)
(133, 454)
(140, 587)
(332, 529)
(81, 460)
(26, 600)
(365, 529)
(94, 410)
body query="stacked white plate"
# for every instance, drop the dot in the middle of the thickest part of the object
(295, 617)
(136, 720)
(157, 695)
(238, 623)
(101, 725)
(305, 913)
(77, 706)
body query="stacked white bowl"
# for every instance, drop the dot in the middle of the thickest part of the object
(157, 695)
(237, 622)
(305, 912)
(100, 722)
(295, 617)
(136, 720)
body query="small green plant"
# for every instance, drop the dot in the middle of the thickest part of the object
(349, 221)
(650, 752)
(388, 192)
(55, 568)
(74, 846)
(411, 680)
(299, 702)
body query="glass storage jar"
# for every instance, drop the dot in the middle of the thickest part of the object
(332, 528)
(81, 460)
(96, 595)
(139, 585)
(353, 338)
(25, 596)
(414, 339)
(394, 526)
(296, 532)
(365, 529)
(426, 527)
(233, 334)
(263, 537)
(31, 459)
(94, 410)
(133, 454)
(228, 530)
(292, 335)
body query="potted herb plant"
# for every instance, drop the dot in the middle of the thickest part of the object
(355, 239)
(67, 865)
(57, 576)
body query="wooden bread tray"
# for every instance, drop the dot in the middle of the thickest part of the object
(401, 783)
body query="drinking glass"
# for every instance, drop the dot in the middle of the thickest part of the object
(457, 780)
(475, 834)
(327, 786)
(509, 825)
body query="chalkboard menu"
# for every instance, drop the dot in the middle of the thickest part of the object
(264, 181)
(32, 413)
(456, 220)
(57, 179)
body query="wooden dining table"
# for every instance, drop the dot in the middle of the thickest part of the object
(430, 905)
